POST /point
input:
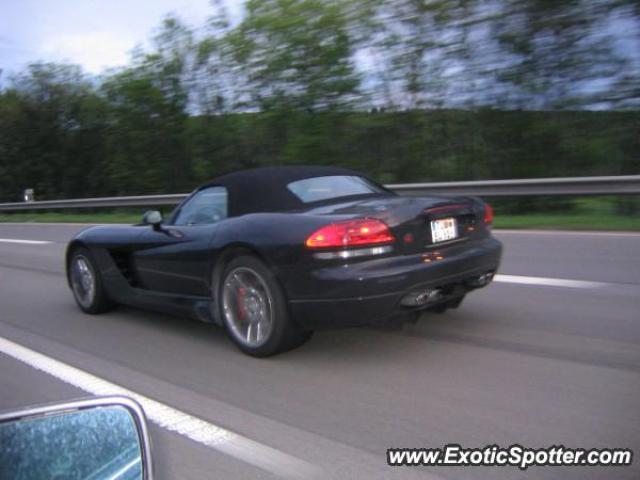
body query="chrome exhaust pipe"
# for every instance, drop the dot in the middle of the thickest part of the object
(421, 297)
(480, 280)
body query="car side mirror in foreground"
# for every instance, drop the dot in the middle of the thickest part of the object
(98, 438)
(153, 218)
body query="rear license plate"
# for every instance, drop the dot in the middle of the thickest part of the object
(443, 230)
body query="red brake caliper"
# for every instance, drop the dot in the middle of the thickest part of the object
(240, 299)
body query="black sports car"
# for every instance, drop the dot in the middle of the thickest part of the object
(274, 253)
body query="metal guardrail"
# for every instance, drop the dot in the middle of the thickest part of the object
(136, 201)
(569, 186)
(565, 186)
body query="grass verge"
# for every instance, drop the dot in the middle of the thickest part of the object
(61, 217)
(568, 222)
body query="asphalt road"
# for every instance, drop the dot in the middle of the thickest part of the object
(522, 361)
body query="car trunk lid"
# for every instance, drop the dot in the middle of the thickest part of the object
(418, 223)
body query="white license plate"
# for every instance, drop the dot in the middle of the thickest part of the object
(443, 230)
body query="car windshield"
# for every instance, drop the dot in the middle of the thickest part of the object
(334, 186)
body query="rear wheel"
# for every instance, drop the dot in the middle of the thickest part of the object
(86, 283)
(254, 309)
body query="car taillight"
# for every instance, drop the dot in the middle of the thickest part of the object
(488, 214)
(350, 234)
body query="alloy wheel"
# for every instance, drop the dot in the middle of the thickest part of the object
(83, 280)
(247, 306)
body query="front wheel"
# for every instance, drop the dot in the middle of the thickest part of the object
(86, 283)
(254, 309)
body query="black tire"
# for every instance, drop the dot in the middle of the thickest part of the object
(283, 332)
(98, 301)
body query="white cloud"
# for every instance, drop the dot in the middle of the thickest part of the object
(92, 33)
(95, 51)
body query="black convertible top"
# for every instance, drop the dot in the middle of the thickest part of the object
(264, 189)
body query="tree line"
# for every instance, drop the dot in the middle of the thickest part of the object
(408, 90)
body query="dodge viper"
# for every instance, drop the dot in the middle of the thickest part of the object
(274, 253)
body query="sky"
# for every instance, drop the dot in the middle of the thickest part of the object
(100, 34)
(95, 34)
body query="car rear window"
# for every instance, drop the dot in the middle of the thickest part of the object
(334, 186)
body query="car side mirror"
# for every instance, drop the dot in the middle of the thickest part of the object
(153, 218)
(98, 438)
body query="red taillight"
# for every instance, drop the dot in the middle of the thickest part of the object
(488, 214)
(350, 234)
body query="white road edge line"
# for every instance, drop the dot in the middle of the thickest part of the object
(169, 418)
(548, 282)
(26, 242)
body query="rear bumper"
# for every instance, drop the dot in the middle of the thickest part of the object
(370, 292)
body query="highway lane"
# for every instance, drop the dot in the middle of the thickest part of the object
(524, 364)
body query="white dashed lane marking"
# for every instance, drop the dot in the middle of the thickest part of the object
(516, 279)
(24, 242)
(548, 282)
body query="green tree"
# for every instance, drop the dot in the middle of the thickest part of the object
(416, 45)
(148, 114)
(296, 54)
(51, 133)
(557, 54)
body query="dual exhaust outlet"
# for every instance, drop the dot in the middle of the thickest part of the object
(422, 297)
(419, 298)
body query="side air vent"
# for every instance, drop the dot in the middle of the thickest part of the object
(125, 266)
